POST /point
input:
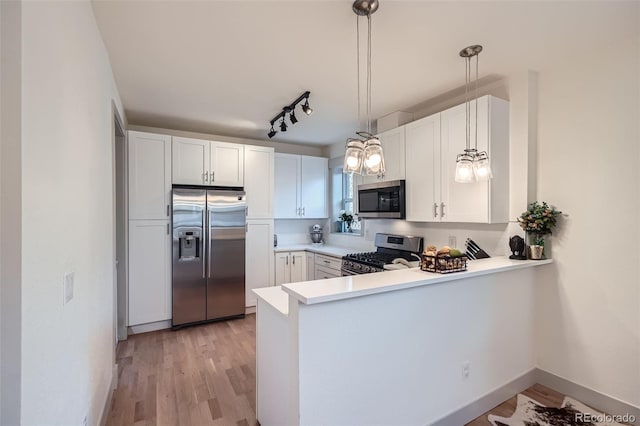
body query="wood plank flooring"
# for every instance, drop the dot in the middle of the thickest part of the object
(542, 394)
(203, 375)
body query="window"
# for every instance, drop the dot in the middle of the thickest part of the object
(344, 191)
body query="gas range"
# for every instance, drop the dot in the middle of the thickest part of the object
(388, 248)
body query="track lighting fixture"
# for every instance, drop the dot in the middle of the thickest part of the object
(306, 108)
(291, 110)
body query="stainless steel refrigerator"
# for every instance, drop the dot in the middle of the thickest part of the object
(209, 233)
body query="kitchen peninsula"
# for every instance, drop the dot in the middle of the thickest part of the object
(397, 347)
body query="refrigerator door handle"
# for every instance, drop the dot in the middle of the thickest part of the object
(209, 243)
(205, 253)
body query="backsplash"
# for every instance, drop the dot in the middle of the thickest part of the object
(494, 239)
(297, 231)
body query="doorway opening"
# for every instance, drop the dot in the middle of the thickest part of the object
(120, 207)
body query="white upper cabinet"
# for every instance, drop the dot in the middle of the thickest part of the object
(432, 145)
(301, 184)
(287, 186)
(149, 176)
(422, 169)
(226, 164)
(314, 176)
(190, 161)
(201, 162)
(259, 181)
(393, 147)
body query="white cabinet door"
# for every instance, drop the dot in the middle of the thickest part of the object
(298, 266)
(423, 169)
(190, 161)
(283, 269)
(259, 258)
(463, 202)
(227, 164)
(149, 175)
(287, 186)
(149, 271)
(393, 146)
(259, 181)
(311, 262)
(314, 178)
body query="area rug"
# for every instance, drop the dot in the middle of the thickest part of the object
(572, 413)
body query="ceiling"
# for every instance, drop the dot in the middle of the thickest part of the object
(228, 67)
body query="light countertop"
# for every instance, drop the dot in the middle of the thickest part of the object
(319, 291)
(275, 297)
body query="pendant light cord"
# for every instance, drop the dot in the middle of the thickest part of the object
(358, 67)
(467, 104)
(477, 59)
(369, 73)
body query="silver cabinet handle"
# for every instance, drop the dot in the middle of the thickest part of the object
(299, 211)
(168, 229)
(326, 261)
(168, 210)
(213, 176)
(303, 211)
(287, 262)
(293, 259)
(206, 176)
(441, 209)
(435, 209)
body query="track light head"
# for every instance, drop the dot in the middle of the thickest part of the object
(272, 132)
(292, 117)
(283, 125)
(306, 108)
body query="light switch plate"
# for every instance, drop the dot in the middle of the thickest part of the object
(68, 287)
(453, 241)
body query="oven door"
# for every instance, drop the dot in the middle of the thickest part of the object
(382, 200)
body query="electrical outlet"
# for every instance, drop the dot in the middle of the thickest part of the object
(453, 243)
(68, 287)
(466, 369)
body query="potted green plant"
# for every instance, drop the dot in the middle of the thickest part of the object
(538, 221)
(347, 220)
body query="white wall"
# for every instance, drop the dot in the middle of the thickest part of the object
(67, 93)
(588, 151)
(10, 212)
(346, 361)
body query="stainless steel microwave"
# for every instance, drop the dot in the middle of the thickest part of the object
(382, 200)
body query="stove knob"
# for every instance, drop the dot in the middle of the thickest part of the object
(367, 269)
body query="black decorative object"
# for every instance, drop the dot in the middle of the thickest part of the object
(517, 246)
(290, 109)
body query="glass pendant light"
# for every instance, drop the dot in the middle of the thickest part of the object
(353, 157)
(364, 156)
(472, 166)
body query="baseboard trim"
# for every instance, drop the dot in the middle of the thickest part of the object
(590, 397)
(488, 401)
(107, 402)
(151, 326)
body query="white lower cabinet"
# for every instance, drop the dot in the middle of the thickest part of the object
(327, 267)
(259, 258)
(290, 267)
(149, 271)
(311, 262)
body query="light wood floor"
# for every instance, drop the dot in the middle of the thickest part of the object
(205, 375)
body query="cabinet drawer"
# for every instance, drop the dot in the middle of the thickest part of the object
(329, 262)
(323, 273)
